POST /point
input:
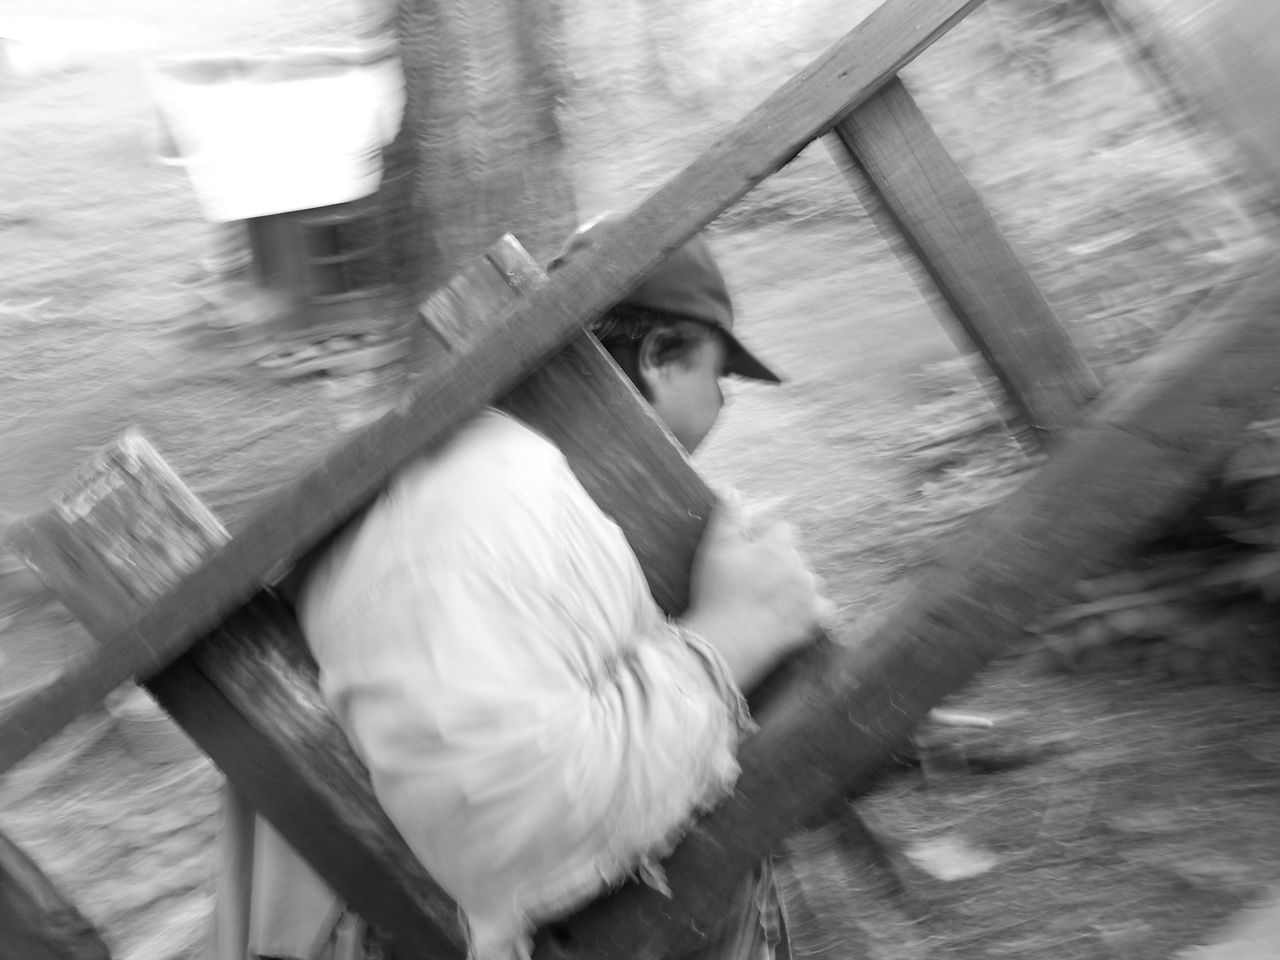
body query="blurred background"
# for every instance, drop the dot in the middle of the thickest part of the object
(1136, 811)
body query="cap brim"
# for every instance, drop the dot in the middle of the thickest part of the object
(741, 362)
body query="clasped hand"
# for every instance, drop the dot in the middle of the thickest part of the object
(752, 595)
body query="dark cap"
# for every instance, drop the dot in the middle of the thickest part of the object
(687, 285)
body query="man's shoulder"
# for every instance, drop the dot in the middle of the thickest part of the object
(490, 455)
(478, 497)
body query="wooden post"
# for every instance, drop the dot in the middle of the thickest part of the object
(1143, 452)
(301, 514)
(36, 921)
(918, 192)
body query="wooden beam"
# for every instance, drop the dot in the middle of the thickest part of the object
(36, 921)
(289, 523)
(1143, 452)
(123, 531)
(1217, 62)
(920, 193)
(249, 696)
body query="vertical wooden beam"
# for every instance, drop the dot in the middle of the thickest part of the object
(36, 921)
(919, 192)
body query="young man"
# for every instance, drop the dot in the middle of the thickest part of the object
(534, 725)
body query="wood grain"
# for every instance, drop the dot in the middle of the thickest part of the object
(622, 454)
(249, 696)
(924, 197)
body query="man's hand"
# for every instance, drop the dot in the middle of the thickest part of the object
(753, 598)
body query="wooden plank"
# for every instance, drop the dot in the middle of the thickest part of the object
(302, 513)
(1217, 62)
(921, 194)
(623, 456)
(123, 530)
(36, 921)
(248, 695)
(1144, 451)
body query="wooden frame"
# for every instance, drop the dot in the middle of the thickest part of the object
(827, 723)
(300, 515)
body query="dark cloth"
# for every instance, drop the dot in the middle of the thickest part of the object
(753, 927)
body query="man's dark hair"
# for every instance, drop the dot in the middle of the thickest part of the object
(623, 330)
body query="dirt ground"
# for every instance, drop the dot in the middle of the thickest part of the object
(1105, 814)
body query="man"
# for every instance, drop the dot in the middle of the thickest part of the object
(533, 724)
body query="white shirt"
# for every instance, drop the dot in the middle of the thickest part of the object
(534, 726)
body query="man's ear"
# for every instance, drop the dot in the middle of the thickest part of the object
(651, 365)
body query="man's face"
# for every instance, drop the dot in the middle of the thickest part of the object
(686, 393)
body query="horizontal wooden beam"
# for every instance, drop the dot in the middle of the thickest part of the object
(921, 195)
(289, 523)
(1144, 451)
